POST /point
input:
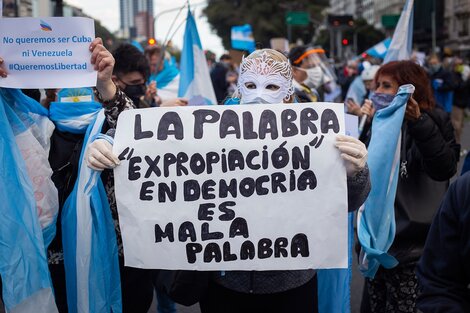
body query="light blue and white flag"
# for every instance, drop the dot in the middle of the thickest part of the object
(27, 286)
(242, 38)
(379, 50)
(334, 285)
(402, 40)
(195, 81)
(89, 241)
(376, 219)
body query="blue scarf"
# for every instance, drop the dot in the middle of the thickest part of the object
(89, 241)
(376, 220)
(23, 262)
(165, 76)
(73, 117)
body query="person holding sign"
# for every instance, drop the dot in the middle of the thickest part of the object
(266, 77)
(71, 121)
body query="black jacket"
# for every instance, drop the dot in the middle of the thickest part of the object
(219, 81)
(444, 269)
(428, 160)
(461, 92)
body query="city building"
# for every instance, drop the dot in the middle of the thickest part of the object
(343, 7)
(457, 21)
(136, 19)
(17, 8)
(23, 8)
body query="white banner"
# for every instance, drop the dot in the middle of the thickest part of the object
(247, 187)
(48, 52)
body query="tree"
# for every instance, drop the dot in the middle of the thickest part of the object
(266, 17)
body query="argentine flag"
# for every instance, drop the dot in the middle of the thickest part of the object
(376, 219)
(242, 38)
(402, 41)
(195, 81)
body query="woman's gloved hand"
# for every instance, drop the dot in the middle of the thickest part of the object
(353, 151)
(100, 156)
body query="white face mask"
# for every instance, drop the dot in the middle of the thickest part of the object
(264, 80)
(314, 76)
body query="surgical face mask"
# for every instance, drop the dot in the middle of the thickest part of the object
(381, 100)
(264, 80)
(434, 68)
(256, 100)
(135, 92)
(314, 77)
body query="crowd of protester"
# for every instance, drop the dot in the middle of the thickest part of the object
(432, 240)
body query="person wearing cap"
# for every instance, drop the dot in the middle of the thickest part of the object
(309, 77)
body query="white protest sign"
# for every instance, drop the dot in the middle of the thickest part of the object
(49, 52)
(247, 187)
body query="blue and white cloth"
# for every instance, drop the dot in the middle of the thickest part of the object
(195, 80)
(402, 41)
(89, 241)
(376, 219)
(27, 286)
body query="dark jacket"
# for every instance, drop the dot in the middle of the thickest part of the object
(278, 281)
(444, 270)
(219, 81)
(64, 158)
(461, 92)
(428, 160)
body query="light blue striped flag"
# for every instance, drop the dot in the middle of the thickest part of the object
(402, 40)
(334, 292)
(195, 81)
(89, 241)
(242, 38)
(376, 219)
(380, 50)
(27, 286)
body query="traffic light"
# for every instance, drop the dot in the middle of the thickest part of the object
(151, 41)
(345, 42)
(341, 20)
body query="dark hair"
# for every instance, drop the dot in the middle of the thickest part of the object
(295, 53)
(129, 59)
(408, 72)
(225, 57)
(152, 50)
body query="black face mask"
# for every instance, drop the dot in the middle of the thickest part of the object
(135, 92)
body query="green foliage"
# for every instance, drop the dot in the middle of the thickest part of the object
(266, 17)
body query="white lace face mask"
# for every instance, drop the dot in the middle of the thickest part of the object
(264, 80)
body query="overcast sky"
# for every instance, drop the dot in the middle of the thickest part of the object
(107, 11)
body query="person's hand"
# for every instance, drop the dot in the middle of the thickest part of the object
(103, 62)
(368, 109)
(352, 107)
(412, 112)
(151, 91)
(353, 151)
(175, 102)
(3, 71)
(99, 155)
